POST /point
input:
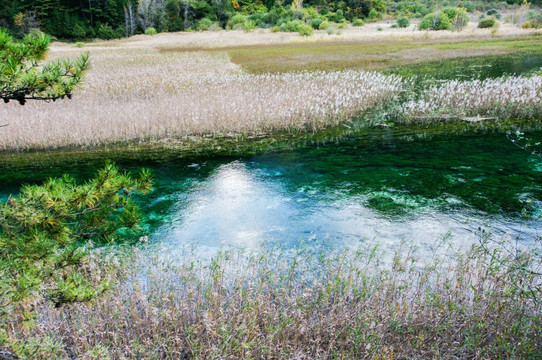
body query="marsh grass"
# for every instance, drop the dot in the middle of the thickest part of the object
(502, 98)
(136, 95)
(303, 303)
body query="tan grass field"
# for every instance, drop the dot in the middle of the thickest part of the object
(183, 84)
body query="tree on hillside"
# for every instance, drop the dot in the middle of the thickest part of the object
(23, 77)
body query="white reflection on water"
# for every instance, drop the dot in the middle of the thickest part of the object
(240, 208)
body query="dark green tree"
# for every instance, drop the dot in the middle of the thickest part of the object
(23, 77)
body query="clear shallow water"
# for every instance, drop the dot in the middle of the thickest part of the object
(386, 185)
(388, 188)
(383, 184)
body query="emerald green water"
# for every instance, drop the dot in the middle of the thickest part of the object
(384, 184)
(338, 188)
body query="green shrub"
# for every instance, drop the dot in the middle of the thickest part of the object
(324, 25)
(106, 32)
(435, 21)
(275, 29)
(120, 32)
(249, 25)
(237, 19)
(461, 19)
(291, 26)
(150, 31)
(343, 25)
(305, 30)
(450, 12)
(204, 24)
(534, 21)
(493, 12)
(487, 23)
(79, 44)
(315, 23)
(358, 22)
(373, 15)
(403, 22)
(380, 28)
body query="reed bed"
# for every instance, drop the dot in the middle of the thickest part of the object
(135, 94)
(307, 303)
(503, 98)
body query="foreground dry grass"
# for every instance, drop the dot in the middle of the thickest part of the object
(302, 304)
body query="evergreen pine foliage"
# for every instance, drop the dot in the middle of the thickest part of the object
(23, 78)
(48, 230)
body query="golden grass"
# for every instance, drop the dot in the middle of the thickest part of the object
(138, 89)
(504, 98)
(137, 94)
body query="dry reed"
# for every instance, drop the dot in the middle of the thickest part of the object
(137, 94)
(503, 98)
(304, 304)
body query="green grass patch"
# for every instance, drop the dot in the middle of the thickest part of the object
(340, 55)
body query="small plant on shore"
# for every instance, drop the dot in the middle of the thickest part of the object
(487, 23)
(305, 30)
(248, 25)
(435, 21)
(324, 25)
(204, 24)
(151, 31)
(315, 23)
(403, 22)
(358, 22)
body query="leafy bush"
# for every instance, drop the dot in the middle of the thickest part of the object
(493, 12)
(237, 19)
(275, 29)
(450, 12)
(151, 31)
(315, 23)
(305, 30)
(487, 23)
(249, 25)
(403, 22)
(534, 22)
(204, 24)
(291, 26)
(343, 25)
(380, 28)
(106, 32)
(373, 15)
(435, 21)
(461, 19)
(358, 22)
(324, 25)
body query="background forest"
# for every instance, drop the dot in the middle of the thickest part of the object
(108, 19)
